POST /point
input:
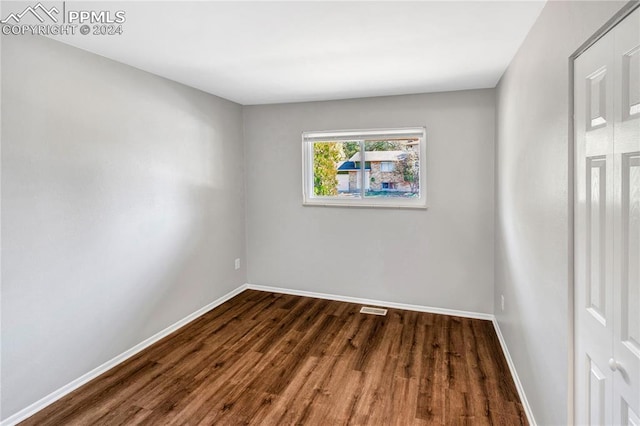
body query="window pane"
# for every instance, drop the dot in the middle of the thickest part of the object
(393, 168)
(387, 166)
(369, 168)
(336, 171)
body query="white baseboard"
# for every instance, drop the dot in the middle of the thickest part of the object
(70, 387)
(407, 307)
(514, 374)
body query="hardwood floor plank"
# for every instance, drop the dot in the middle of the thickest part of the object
(271, 359)
(433, 383)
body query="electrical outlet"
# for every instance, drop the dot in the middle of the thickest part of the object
(237, 263)
(502, 301)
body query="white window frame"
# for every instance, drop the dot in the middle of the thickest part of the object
(310, 199)
(391, 165)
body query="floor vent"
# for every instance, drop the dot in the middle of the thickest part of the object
(373, 311)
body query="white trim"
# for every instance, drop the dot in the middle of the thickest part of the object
(407, 307)
(70, 387)
(310, 199)
(324, 135)
(514, 374)
(348, 202)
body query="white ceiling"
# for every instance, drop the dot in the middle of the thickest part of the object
(273, 52)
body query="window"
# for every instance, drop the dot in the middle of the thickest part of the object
(367, 168)
(386, 166)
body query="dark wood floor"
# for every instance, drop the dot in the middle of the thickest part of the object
(271, 359)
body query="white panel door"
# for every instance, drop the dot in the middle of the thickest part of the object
(594, 90)
(626, 348)
(607, 228)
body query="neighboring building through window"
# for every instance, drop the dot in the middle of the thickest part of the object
(375, 168)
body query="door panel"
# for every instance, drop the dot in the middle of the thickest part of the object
(631, 85)
(607, 228)
(597, 99)
(629, 417)
(596, 395)
(596, 227)
(630, 312)
(594, 109)
(626, 347)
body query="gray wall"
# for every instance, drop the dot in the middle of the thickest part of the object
(440, 257)
(533, 203)
(122, 210)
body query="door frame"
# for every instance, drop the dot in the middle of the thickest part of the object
(625, 11)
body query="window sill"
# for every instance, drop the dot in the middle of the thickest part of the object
(350, 204)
